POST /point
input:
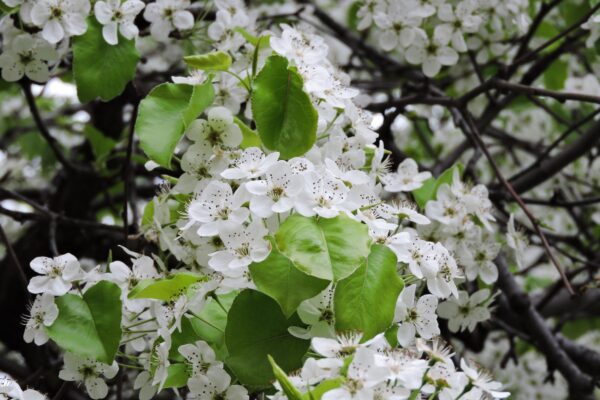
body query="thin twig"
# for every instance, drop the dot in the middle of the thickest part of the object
(52, 142)
(470, 126)
(15, 260)
(127, 174)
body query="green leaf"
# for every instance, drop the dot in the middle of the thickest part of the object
(326, 248)
(89, 326)
(556, 75)
(186, 335)
(213, 318)
(249, 137)
(352, 14)
(288, 387)
(262, 41)
(278, 277)
(429, 189)
(285, 117)
(164, 288)
(577, 328)
(164, 115)
(213, 61)
(323, 387)
(100, 69)
(366, 300)
(177, 376)
(256, 328)
(571, 12)
(148, 214)
(101, 145)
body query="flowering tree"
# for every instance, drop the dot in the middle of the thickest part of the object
(377, 199)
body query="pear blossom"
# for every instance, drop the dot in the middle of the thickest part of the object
(118, 17)
(343, 345)
(90, 372)
(480, 260)
(464, 311)
(218, 130)
(168, 15)
(419, 255)
(323, 195)
(25, 7)
(216, 209)
(29, 56)
(58, 273)
(200, 355)
(276, 193)
(398, 28)
(231, 14)
(215, 383)
(242, 247)
(415, 318)
(9, 390)
(252, 163)
(199, 163)
(447, 208)
(143, 383)
(458, 21)
(483, 381)
(162, 360)
(318, 314)
(406, 178)
(430, 54)
(363, 376)
(60, 18)
(43, 313)
(300, 46)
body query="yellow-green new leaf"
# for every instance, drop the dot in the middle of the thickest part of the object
(214, 61)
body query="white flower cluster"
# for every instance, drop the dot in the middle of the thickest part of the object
(10, 389)
(59, 20)
(216, 218)
(433, 33)
(375, 370)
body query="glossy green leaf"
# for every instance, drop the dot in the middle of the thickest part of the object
(89, 326)
(177, 376)
(211, 322)
(213, 61)
(100, 69)
(256, 328)
(164, 115)
(249, 137)
(186, 335)
(288, 387)
(164, 288)
(366, 300)
(429, 189)
(278, 277)
(326, 248)
(285, 117)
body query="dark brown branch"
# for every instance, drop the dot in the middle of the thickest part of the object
(551, 165)
(14, 259)
(469, 128)
(52, 142)
(580, 384)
